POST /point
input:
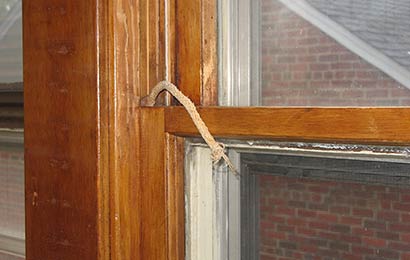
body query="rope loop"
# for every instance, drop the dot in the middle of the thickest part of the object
(217, 149)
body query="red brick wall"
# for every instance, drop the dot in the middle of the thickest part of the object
(302, 66)
(313, 219)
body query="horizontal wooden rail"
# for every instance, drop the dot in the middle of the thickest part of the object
(354, 125)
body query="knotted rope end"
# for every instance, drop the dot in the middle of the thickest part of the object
(218, 153)
(217, 149)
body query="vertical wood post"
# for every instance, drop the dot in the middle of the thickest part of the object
(66, 167)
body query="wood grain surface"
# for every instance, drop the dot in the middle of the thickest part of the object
(65, 130)
(138, 63)
(356, 125)
(152, 214)
(196, 50)
(175, 196)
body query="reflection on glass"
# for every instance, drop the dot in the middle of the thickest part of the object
(334, 53)
(318, 208)
(11, 66)
(12, 192)
(12, 217)
(6, 7)
(9, 257)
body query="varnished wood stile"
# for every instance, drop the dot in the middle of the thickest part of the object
(138, 62)
(196, 50)
(151, 192)
(175, 197)
(66, 138)
(160, 191)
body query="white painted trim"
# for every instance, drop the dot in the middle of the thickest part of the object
(239, 84)
(202, 229)
(350, 41)
(233, 215)
(212, 207)
(213, 211)
(226, 45)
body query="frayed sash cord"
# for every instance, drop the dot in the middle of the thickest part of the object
(217, 149)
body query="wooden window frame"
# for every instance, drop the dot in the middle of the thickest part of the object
(104, 176)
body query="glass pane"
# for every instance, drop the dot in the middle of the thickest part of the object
(12, 217)
(317, 53)
(10, 257)
(317, 208)
(11, 58)
(12, 192)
